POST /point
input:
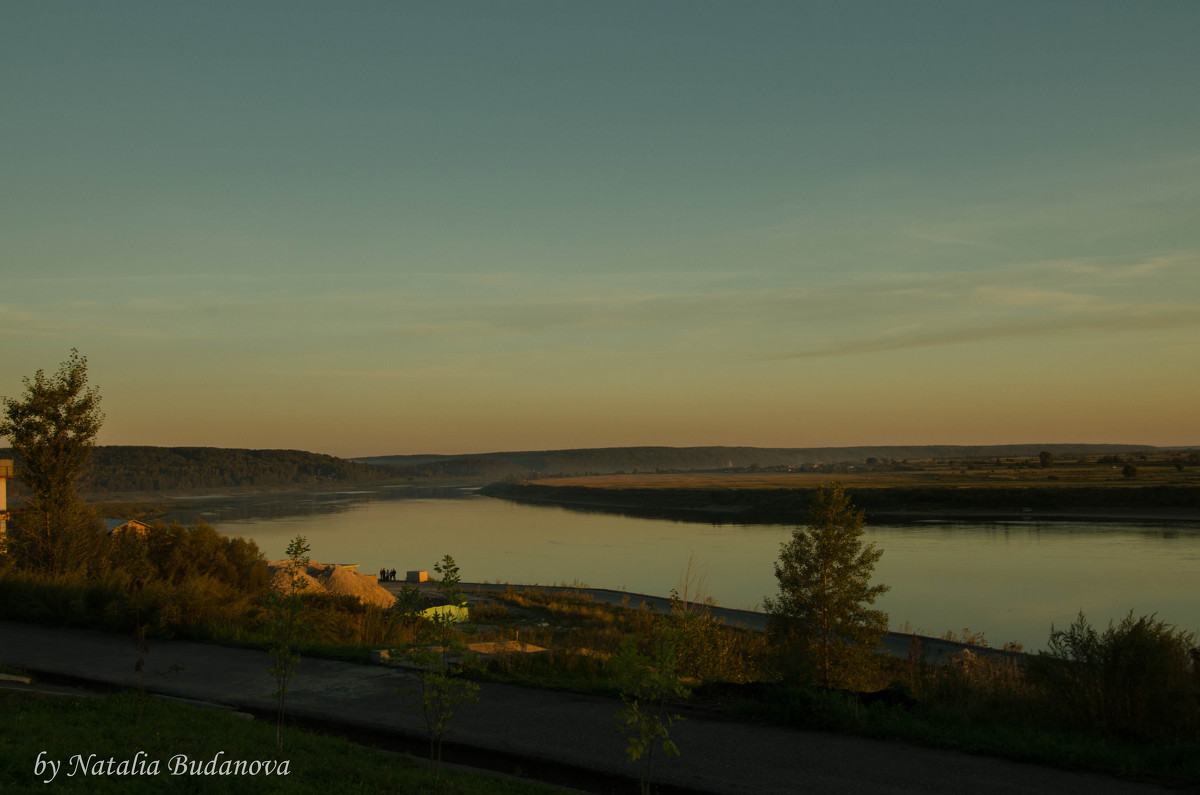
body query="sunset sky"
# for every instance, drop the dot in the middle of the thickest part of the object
(375, 228)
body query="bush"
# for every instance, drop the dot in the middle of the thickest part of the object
(1138, 679)
(973, 686)
(168, 580)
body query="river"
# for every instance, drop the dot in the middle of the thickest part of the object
(1010, 580)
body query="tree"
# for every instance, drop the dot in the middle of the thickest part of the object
(649, 685)
(821, 626)
(285, 606)
(53, 432)
(439, 690)
(1046, 459)
(449, 581)
(1129, 471)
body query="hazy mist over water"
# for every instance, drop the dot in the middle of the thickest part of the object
(1010, 580)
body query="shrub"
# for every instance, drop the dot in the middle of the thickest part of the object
(710, 651)
(973, 686)
(1136, 679)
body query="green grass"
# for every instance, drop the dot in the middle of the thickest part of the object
(1175, 761)
(119, 726)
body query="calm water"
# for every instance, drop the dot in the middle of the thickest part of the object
(1010, 580)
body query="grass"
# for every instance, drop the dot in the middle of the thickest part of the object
(115, 726)
(1176, 762)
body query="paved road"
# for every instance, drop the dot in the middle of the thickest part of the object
(576, 731)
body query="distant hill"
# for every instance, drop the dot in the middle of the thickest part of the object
(118, 469)
(609, 460)
(142, 469)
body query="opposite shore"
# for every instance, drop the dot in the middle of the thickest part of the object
(886, 504)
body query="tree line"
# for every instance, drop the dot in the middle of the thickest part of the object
(117, 469)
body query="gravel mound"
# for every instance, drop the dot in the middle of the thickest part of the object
(280, 581)
(332, 578)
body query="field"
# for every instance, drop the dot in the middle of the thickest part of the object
(992, 473)
(1162, 486)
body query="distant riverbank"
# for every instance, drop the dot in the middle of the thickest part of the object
(892, 504)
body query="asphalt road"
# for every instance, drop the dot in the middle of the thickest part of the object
(524, 728)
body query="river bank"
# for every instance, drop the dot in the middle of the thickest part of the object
(897, 644)
(891, 504)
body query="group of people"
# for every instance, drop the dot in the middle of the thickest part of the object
(387, 575)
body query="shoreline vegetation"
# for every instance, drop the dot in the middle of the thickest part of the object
(730, 504)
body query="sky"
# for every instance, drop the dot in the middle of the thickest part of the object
(378, 228)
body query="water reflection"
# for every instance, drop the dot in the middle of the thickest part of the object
(217, 508)
(1009, 579)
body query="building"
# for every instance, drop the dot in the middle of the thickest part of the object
(6, 472)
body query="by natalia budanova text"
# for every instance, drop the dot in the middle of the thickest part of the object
(47, 770)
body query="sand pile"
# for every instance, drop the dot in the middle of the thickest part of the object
(339, 579)
(281, 581)
(332, 578)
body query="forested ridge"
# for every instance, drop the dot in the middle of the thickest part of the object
(129, 469)
(116, 469)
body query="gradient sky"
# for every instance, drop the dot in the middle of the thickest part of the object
(373, 228)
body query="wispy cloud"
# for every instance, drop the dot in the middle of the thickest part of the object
(1147, 267)
(951, 240)
(438, 316)
(73, 321)
(1033, 298)
(1136, 321)
(373, 374)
